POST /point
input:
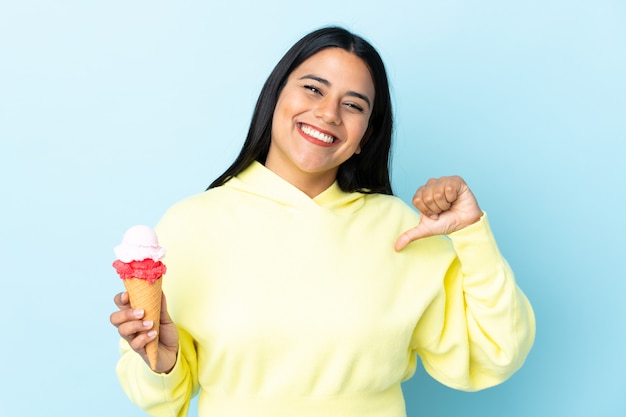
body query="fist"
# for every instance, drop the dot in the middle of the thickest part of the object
(446, 204)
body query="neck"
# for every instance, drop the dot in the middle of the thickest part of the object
(312, 184)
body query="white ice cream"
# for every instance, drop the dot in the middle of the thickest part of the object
(139, 243)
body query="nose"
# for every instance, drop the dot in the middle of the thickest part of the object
(328, 111)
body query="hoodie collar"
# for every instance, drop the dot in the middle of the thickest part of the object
(260, 181)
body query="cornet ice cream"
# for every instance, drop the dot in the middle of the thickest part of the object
(139, 265)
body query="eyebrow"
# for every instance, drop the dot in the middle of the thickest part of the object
(327, 84)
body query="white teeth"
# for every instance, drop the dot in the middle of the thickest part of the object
(317, 134)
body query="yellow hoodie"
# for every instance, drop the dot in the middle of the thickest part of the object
(289, 306)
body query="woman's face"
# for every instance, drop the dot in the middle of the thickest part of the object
(320, 119)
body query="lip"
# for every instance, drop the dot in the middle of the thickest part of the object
(315, 140)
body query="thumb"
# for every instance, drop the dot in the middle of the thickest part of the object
(418, 232)
(165, 316)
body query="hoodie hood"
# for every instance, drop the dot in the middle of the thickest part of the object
(262, 182)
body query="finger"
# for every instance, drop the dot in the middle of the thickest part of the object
(138, 344)
(123, 316)
(437, 196)
(431, 203)
(440, 201)
(428, 197)
(165, 316)
(122, 300)
(130, 329)
(418, 201)
(418, 232)
(451, 192)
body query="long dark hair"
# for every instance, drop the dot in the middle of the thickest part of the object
(366, 172)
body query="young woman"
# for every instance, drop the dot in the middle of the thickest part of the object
(298, 285)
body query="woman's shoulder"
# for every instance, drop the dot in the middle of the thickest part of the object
(202, 200)
(390, 209)
(389, 202)
(199, 205)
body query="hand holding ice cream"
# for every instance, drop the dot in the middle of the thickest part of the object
(143, 319)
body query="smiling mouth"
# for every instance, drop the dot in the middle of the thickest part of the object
(316, 134)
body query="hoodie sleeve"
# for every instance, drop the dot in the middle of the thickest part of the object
(160, 395)
(479, 328)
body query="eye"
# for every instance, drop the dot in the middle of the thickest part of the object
(313, 89)
(355, 106)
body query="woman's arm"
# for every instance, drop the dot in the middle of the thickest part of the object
(162, 395)
(480, 327)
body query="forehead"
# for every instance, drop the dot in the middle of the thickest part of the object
(340, 67)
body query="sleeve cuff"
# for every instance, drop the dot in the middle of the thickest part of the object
(170, 379)
(476, 246)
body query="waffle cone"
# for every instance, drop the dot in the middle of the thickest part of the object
(147, 296)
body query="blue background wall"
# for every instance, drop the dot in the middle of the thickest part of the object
(112, 111)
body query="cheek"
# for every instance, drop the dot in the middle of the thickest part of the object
(290, 100)
(359, 129)
(280, 119)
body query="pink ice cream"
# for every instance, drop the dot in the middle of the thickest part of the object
(139, 243)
